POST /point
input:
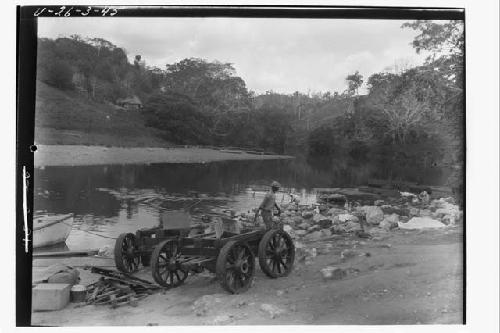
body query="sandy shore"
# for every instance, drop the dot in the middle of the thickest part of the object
(410, 277)
(66, 155)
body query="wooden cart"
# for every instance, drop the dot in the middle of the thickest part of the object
(132, 250)
(173, 255)
(231, 256)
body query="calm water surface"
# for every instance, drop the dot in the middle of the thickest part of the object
(109, 200)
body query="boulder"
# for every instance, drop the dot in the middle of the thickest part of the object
(289, 230)
(318, 217)
(378, 202)
(307, 215)
(351, 226)
(313, 236)
(300, 233)
(389, 222)
(338, 229)
(387, 209)
(348, 217)
(326, 233)
(333, 273)
(313, 228)
(414, 212)
(425, 212)
(335, 211)
(323, 209)
(304, 225)
(297, 220)
(421, 223)
(374, 215)
(325, 223)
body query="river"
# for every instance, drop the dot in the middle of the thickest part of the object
(112, 199)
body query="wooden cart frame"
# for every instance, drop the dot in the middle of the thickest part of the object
(173, 256)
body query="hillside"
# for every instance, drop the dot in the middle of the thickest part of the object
(67, 117)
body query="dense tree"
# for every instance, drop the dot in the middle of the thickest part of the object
(178, 117)
(354, 82)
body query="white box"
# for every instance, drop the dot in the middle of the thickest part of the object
(50, 296)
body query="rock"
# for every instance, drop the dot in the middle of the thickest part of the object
(297, 220)
(289, 230)
(300, 233)
(348, 217)
(390, 222)
(304, 226)
(313, 228)
(338, 229)
(449, 220)
(351, 226)
(307, 215)
(280, 292)
(421, 223)
(378, 202)
(374, 215)
(272, 310)
(386, 225)
(333, 273)
(325, 223)
(387, 209)
(326, 233)
(335, 211)
(323, 208)
(313, 236)
(425, 212)
(203, 304)
(318, 217)
(414, 212)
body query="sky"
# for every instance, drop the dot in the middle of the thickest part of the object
(282, 55)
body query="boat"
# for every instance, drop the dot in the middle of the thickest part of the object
(51, 229)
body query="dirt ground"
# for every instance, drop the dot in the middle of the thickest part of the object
(403, 277)
(67, 155)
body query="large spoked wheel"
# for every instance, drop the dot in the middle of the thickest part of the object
(276, 253)
(166, 266)
(126, 258)
(235, 267)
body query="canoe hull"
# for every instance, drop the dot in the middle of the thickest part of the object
(52, 231)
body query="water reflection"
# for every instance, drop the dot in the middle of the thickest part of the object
(112, 199)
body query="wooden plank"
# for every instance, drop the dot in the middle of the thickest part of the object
(66, 254)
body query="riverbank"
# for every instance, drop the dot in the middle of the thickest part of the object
(397, 262)
(69, 155)
(409, 277)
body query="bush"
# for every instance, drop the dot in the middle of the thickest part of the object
(177, 117)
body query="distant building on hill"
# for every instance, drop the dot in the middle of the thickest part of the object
(130, 103)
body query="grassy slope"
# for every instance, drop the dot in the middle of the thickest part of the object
(66, 117)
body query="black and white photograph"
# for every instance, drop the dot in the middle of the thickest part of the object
(248, 166)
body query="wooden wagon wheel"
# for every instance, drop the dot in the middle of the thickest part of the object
(276, 253)
(126, 258)
(165, 264)
(235, 267)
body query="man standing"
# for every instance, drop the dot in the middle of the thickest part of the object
(268, 204)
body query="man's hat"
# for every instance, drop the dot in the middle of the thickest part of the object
(275, 184)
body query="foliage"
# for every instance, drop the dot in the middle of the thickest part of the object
(354, 82)
(178, 118)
